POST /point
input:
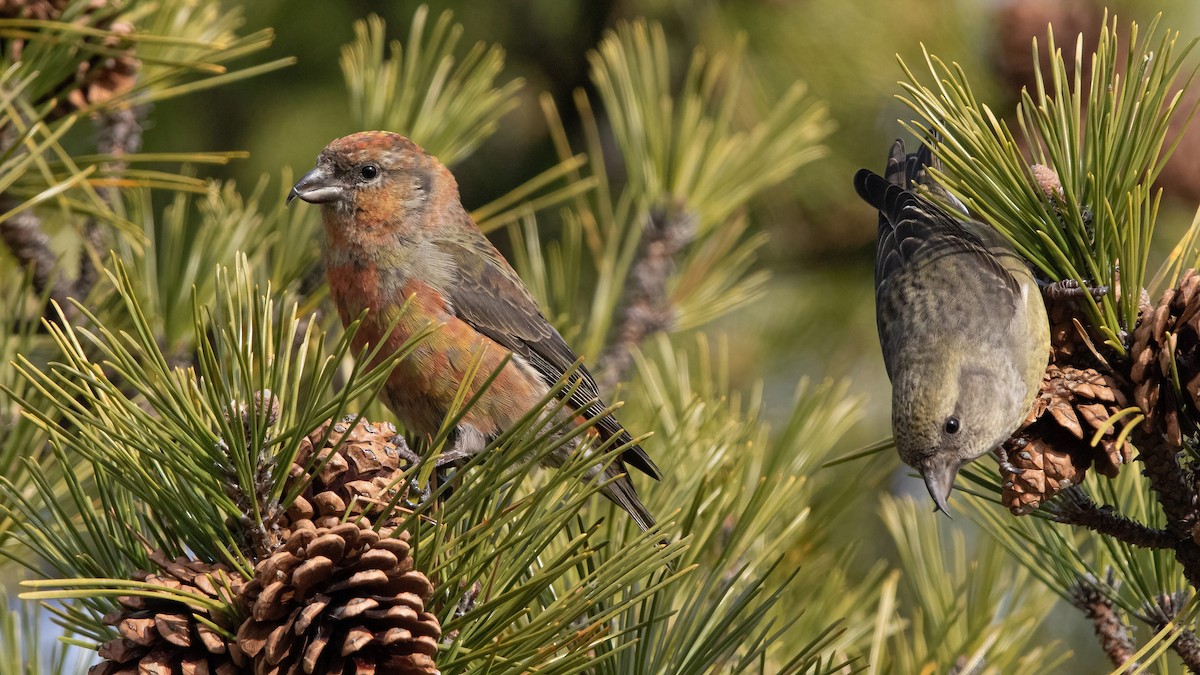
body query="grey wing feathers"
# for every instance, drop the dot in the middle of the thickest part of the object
(489, 297)
(911, 226)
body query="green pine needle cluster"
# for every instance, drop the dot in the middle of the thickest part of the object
(1103, 125)
(444, 102)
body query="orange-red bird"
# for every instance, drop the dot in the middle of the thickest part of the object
(395, 231)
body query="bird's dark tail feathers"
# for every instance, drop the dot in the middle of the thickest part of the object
(900, 180)
(884, 192)
(887, 198)
(907, 170)
(622, 493)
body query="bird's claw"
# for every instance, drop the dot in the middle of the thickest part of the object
(424, 491)
(451, 457)
(406, 453)
(1006, 467)
(1070, 288)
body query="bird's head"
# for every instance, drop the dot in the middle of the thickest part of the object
(943, 416)
(373, 180)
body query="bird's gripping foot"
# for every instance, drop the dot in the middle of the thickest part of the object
(1069, 288)
(424, 492)
(1006, 467)
(443, 463)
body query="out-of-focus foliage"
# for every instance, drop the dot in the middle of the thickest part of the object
(872, 586)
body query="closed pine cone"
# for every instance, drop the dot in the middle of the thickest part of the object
(161, 637)
(342, 599)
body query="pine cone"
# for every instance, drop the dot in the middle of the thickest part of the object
(361, 477)
(1065, 340)
(1053, 446)
(1169, 331)
(104, 77)
(40, 10)
(98, 78)
(1047, 180)
(340, 599)
(160, 636)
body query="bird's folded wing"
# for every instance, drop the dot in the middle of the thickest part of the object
(490, 297)
(914, 230)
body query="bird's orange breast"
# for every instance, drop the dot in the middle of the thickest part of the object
(422, 388)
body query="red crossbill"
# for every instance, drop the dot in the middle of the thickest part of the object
(961, 321)
(396, 232)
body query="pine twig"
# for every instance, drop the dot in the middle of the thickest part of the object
(261, 534)
(1186, 644)
(1115, 641)
(23, 234)
(30, 245)
(1075, 507)
(1176, 495)
(645, 308)
(120, 133)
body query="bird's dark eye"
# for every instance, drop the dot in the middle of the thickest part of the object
(368, 171)
(952, 425)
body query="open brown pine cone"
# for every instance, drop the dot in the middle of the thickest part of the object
(1053, 446)
(327, 596)
(161, 637)
(334, 594)
(361, 477)
(342, 599)
(101, 78)
(1166, 344)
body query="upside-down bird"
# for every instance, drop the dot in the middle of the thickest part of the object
(961, 322)
(396, 232)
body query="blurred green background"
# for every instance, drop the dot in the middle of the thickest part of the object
(817, 320)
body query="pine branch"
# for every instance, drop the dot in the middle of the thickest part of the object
(939, 566)
(694, 167)
(30, 245)
(120, 134)
(1074, 507)
(645, 308)
(1163, 612)
(261, 535)
(445, 101)
(1176, 495)
(1187, 646)
(1067, 126)
(1114, 637)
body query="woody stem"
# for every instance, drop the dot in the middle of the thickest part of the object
(120, 134)
(1074, 507)
(645, 308)
(1176, 495)
(1115, 641)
